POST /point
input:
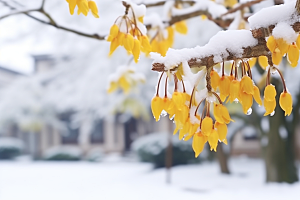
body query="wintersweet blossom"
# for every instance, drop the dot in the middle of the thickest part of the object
(286, 103)
(83, 7)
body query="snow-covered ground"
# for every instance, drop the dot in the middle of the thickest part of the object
(117, 179)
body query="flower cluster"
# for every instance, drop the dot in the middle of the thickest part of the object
(209, 126)
(279, 48)
(241, 89)
(84, 6)
(125, 78)
(128, 31)
(183, 108)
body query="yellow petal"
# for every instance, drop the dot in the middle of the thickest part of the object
(270, 92)
(293, 55)
(181, 27)
(215, 79)
(282, 45)
(156, 107)
(256, 95)
(93, 6)
(199, 141)
(252, 62)
(113, 46)
(224, 87)
(271, 43)
(83, 6)
(136, 50)
(277, 56)
(263, 62)
(269, 106)
(213, 139)
(234, 90)
(72, 5)
(112, 87)
(286, 103)
(246, 101)
(206, 126)
(222, 131)
(247, 85)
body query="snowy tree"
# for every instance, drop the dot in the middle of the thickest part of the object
(195, 83)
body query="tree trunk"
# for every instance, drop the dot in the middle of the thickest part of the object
(222, 158)
(280, 154)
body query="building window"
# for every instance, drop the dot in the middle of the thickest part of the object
(97, 134)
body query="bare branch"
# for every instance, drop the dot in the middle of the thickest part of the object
(242, 6)
(94, 36)
(19, 12)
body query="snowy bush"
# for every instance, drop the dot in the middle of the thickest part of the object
(63, 153)
(95, 155)
(10, 148)
(152, 148)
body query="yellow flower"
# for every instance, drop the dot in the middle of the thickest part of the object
(270, 93)
(222, 131)
(247, 85)
(215, 79)
(221, 114)
(282, 45)
(156, 107)
(83, 7)
(207, 126)
(293, 55)
(246, 100)
(286, 103)
(252, 62)
(181, 27)
(263, 62)
(276, 56)
(179, 99)
(199, 141)
(224, 87)
(234, 90)
(93, 6)
(269, 106)
(256, 95)
(72, 5)
(213, 139)
(271, 43)
(136, 50)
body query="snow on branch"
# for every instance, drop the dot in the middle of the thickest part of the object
(233, 44)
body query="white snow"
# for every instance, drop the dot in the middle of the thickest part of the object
(219, 45)
(273, 15)
(136, 181)
(285, 31)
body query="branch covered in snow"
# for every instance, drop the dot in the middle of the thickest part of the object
(233, 44)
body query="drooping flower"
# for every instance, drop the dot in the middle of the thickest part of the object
(94, 9)
(269, 106)
(293, 55)
(270, 92)
(234, 90)
(286, 103)
(199, 141)
(263, 62)
(156, 107)
(213, 139)
(207, 126)
(224, 87)
(221, 114)
(215, 79)
(256, 95)
(222, 131)
(247, 85)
